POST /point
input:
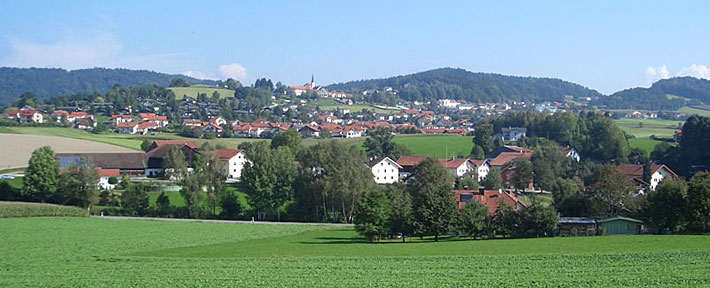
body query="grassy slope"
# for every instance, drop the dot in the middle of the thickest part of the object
(28, 209)
(436, 145)
(695, 110)
(658, 127)
(97, 252)
(192, 91)
(330, 104)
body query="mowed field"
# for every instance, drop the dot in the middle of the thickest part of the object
(92, 252)
(193, 91)
(16, 149)
(642, 129)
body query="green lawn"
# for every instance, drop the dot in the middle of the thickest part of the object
(194, 90)
(644, 143)
(648, 127)
(437, 146)
(83, 252)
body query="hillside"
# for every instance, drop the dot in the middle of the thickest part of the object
(474, 87)
(666, 94)
(52, 82)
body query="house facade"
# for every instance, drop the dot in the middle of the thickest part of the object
(26, 114)
(233, 161)
(385, 170)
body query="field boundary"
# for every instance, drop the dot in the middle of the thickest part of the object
(221, 221)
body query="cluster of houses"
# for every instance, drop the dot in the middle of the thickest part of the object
(150, 164)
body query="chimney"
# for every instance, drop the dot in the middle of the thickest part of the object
(481, 190)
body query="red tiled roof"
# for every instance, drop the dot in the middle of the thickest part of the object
(192, 121)
(505, 157)
(146, 125)
(452, 163)
(478, 163)
(490, 198)
(60, 112)
(226, 154)
(109, 172)
(121, 116)
(127, 124)
(635, 171)
(410, 160)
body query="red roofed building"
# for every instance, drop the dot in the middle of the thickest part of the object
(160, 143)
(635, 173)
(492, 199)
(505, 158)
(507, 174)
(458, 167)
(143, 128)
(79, 115)
(407, 163)
(127, 128)
(25, 114)
(105, 175)
(118, 119)
(192, 122)
(233, 160)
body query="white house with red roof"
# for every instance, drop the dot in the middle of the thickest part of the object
(105, 175)
(160, 121)
(635, 173)
(481, 167)
(79, 115)
(210, 127)
(458, 167)
(233, 160)
(127, 128)
(25, 114)
(384, 170)
(192, 122)
(118, 119)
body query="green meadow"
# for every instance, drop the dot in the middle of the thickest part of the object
(193, 91)
(93, 252)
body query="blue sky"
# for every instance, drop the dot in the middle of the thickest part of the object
(604, 45)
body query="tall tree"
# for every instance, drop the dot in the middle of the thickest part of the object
(213, 175)
(78, 186)
(666, 206)
(290, 139)
(523, 173)
(381, 144)
(40, 181)
(434, 205)
(400, 219)
(699, 202)
(493, 180)
(472, 219)
(135, 199)
(285, 170)
(611, 192)
(259, 177)
(371, 214)
(483, 137)
(539, 220)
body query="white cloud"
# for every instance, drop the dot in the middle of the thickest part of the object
(198, 75)
(69, 52)
(234, 71)
(654, 74)
(695, 70)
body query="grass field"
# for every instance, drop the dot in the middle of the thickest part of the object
(83, 252)
(703, 110)
(644, 143)
(437, 146)
(330, 104)
(193, 91)
(658, 127)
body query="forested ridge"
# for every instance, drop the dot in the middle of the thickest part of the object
(53, 82)
(666, 94)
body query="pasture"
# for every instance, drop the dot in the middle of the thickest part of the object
(193, 91)
(644, 128)
(83, 252)
(330, 105)
(702, 110)
(437, 146)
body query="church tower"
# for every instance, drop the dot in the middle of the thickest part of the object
(312, 83)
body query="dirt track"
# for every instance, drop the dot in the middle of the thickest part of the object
(15, 149)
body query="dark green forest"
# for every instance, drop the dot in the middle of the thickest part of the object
(53, 82)
(460, 84)
(666, 94)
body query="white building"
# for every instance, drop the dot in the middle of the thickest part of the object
(105, 175)
(385, 170)
(127, 128)
(458, 167)
(482, 168)
(233, 160)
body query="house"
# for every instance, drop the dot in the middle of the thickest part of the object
(308, 131)
(571, 153)
(154, 158)
(159, 121)
(576, 226)
(492, 199)
(118, 119)
(513, 133)
(159, 143)
(143, 128)
(211, 128)
(192, 122)
(677, 135)
(407, 164)
(621, 226)
(482, 168)
(26, 114)
(352, 131)
(635, 173)
(79, 115)
(84, 124)
(233, 160)
(105, 175)
(384, 170)
(127, 128)
(59, 114)
(458, 167)
(506, 158)
(510, 149)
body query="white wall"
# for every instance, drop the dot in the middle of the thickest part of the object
(385, 172)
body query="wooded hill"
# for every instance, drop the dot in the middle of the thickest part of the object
(52, 82)
(460, 84)
(666, 94)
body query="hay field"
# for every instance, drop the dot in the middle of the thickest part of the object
(16, 149)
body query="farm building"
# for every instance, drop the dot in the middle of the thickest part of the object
(621, 226)
(576, 226)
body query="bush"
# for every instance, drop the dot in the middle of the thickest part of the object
(25, 209)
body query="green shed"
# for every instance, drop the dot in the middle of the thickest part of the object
(621, 226)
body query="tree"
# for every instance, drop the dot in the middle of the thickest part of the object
(7, 192)
(286, 173)
(562, 191)
(290, 139)
(467, 182)
(40, 181)
(611, 192)
(175, 165)
(434, 205)
(477, 153)
(381, 144)
(232, 84)
(78, 186)
(371, 214)
(549, 164)
(539, 220)
(178, 82)
(483, 137)
(506, 220)
(666, 206)
(163, 203)
(472, 219)
(231, 207)
(135, 199)
(523, 173)
(400, 219)
(493, 180)
(695, 153)
(27, 98)
(213, 177)
(146, 144)
(699, 202)
(259, 177)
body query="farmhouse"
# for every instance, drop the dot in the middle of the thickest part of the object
(513, 133)
(233, 160)
(127, 128)
(26, 114)
(458, 167)
(508, 149)
(492, 199)
(635, 173)
(118, 119)
(506, 158)
(125, 163)
(309, 131)
(105, 175)
(384, 170)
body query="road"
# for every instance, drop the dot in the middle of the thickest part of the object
(220, 221)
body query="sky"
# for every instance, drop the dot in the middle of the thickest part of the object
(603, 45)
